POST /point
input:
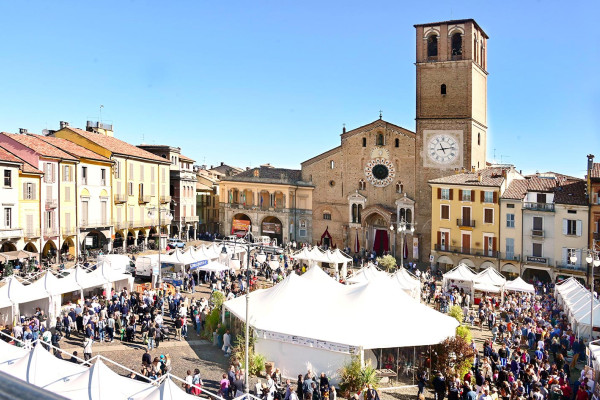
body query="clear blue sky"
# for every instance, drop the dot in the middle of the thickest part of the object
(249, 82)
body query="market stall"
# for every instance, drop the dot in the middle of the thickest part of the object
(460, 277)
(519, 285)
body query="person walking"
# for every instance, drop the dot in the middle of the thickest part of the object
(439, 385)
(87, 347)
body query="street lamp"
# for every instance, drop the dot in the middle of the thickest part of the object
(403, 228)
(168, 217)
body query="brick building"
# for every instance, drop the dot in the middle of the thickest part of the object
(379, 174)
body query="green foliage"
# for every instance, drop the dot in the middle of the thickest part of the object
(238, 351)
(456, 312)
(257, 363)
(211, 323)
(217, 299)
(353, 378)
(464, 332)
(387, 262)
(453, 355)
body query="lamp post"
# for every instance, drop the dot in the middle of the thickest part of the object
(403, 228)
(152, 213)
(249, 247)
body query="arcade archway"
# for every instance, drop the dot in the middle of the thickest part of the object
(378, 239)
(68, 247)
(273, 228)
(8, 246)
(118, 242)
(533, 275)
(30, 247)
(49, 249)
(94, 240)
(240, 224)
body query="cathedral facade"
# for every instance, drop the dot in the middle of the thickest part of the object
(377, 179)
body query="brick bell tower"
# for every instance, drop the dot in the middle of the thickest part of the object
(451, 109)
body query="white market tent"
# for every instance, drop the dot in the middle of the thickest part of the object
(489, 280)
(366, 274)
(408, 282)
(577, 303)
(213, 266)
(295, 345)
(337, 257)
(118, 262)
(11, 294)
(519, 285)
(8, 352)
(169, 390)
(460, 276)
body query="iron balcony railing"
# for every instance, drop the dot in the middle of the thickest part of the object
(539, 206)
(120, 198)
(51, 203)
(465, 222)
(539, 233)
(10, 233)
(468, 250)
(165, 199)
(573, 267)
(510, 256)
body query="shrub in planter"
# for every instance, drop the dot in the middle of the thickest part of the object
(353, 378)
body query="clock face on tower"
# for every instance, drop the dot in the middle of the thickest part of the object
(380, 172)
(442, 149)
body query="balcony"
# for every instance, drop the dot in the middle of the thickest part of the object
(510, 256)
(48, 232)
(571, 267)
(31, 233)
(165, 199)
(11, 233)
(468, 250)
(121, 225)
(465, 223)
(191, 219)
(537, 233)
(548, 207)
(146, 198)
(69, 231)
(51, 203)
(93, 224)
(120, 198)
(536, 260)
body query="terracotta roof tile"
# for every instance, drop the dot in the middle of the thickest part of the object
(595, 173)
(184, 158)
(118, 146)
(566, 189)
(489, 177)
(516, 190)
(268, 175)
(6, 155)
(571, 192)
(25, 166)
(72, 148)
(39, 146)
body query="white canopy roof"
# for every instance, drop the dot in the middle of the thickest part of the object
(489, 280)
(519, 285)
(100, 383)
(302, 254)
(41, 368)
(336, 257)
(117, 262)
(269, 311)
(8, 352)
(13, 291)
(408, 282)
(460, 273)
(169, 390)
(213, 266)
(366, 274)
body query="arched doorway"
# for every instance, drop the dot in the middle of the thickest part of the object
(533, 275)
(118, 242)
(445, 264)
(49, 250)
(130, 238)
(8, 246)
(378, 239)
(174, 231)
(30, 247)
(94, 240)
(509, 271)
(272, 227)
(68, 247)
(152, 238)
(469, 263)
(240, 224)
(141, 237)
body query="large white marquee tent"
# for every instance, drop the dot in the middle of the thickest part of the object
(283, 336)
(579, 304)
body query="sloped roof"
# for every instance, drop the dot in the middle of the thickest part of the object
(516, 190)
(184, 158)
(39, 146)
(268, 175)
(571, 192)
(25, 166)
(566, 189)
(72, 148)
(489, 177)
(595, 172)
(117, 146)
(6, 155)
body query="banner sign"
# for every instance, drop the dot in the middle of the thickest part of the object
(271, 227)
(240, 225)
(416, 248)
(303, 341)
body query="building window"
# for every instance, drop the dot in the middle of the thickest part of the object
(432, 46)
(538, 224)
(332, 164)
(443, 89)
(445, 194)
(457, 44)
(466, 195)
(488, 215)
(118, 170)
(362, 185)
(7, 178)
(568, 254)
(510, 206)
(537, 250)
(130, 188)
(103, 177)
(510, 248)
(380, 141)
(397, 142)
(445, 211)
(327, 215)
(572, 227)
(364, 142)
(541, 197)
(29, 191)
(399, 187)
(8, 218)
(510, 220)
(488, 197)
(84, 175)
(479, 139)
(302, 232)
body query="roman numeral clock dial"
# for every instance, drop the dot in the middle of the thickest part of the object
(442, 149)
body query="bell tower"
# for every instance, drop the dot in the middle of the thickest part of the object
(451, 107)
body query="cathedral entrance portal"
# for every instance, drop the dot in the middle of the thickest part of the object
(378, 239)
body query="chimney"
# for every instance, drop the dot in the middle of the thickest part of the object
(222, 163)
(63, 124)
(344, 129)
(504, 173)
(22, 130)
(479, 177)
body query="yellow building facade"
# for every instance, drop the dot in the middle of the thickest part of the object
(465, 218)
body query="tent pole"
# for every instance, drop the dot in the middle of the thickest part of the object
(414, 363)
(397, 362)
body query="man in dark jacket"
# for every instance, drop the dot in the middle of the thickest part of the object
(439, 385)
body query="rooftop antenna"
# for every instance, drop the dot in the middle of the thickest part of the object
(380, 114)
(100, 115)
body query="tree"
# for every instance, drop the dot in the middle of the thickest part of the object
(387, 262)
(453, 355)
(456, 312)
